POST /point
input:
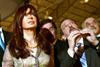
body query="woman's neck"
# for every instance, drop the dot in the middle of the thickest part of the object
(29, 34)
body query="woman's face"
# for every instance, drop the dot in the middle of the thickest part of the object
(29, 20)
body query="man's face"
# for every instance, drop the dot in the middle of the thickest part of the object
(50, 27)
(91, 23)
(68, 26)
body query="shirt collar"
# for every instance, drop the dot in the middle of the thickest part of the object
(0, 29)
(98, 35)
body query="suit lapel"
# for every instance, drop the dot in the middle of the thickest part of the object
(98, 38)
(4, 33)
(6, 36)
(1, 51)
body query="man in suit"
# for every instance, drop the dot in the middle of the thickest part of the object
(94, 25)
(61, 56)
(5, 36)
(82, 44)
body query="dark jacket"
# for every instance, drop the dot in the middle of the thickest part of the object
(62, 59)
(92, 54)
(7, 36)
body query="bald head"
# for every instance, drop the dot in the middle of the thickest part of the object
(65, 23)
(89, 20)
(67, 26)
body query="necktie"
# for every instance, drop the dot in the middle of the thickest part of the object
(83, 56)
(83, 60)
(1, 42)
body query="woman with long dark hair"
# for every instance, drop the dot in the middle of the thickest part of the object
(27, 48)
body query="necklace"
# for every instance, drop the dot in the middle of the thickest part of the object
(31, 43)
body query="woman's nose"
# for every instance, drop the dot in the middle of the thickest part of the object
(30, 17)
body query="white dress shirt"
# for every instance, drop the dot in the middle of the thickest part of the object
(2, 35)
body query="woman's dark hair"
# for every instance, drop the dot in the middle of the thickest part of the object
(47, 39)
(17, 45)
(47, 44)
(48, 35)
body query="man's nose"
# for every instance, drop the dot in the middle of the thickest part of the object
(70, 25)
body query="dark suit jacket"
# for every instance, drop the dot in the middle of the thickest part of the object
(92, 54)
(62, 59)
(7, 36)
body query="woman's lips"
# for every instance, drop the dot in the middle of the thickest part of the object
(31, 22)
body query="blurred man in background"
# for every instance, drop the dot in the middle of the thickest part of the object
(4, 38)
(92, 24)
